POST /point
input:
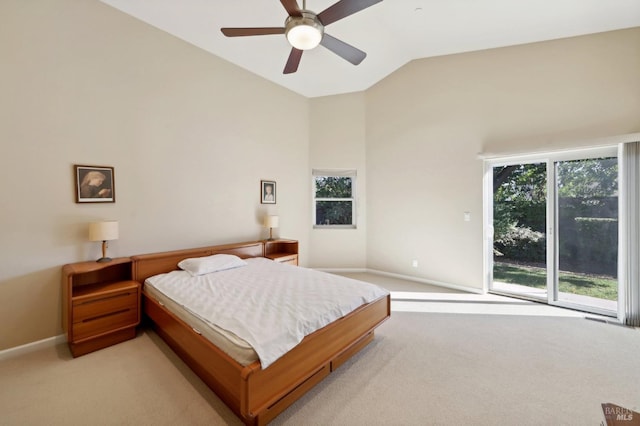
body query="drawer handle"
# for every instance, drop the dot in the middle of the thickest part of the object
(196, 330)
(121, 311)
(103, 298)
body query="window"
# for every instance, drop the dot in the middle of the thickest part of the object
(334, 198)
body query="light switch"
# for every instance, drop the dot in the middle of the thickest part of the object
(467, 217)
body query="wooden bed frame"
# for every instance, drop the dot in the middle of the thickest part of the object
(255, 395)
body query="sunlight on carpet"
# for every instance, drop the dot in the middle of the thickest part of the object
(467, 303)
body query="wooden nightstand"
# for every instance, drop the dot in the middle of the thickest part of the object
(283, 251)
(100, 304)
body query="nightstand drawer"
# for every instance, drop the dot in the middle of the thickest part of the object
(102, 305)
(105, 323)
(293, 261)
(290, 259)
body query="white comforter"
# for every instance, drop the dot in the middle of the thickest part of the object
(270, 305)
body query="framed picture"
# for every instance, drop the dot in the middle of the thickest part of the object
(94, 184)
(267, 192)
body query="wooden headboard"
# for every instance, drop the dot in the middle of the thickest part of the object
(147, 265)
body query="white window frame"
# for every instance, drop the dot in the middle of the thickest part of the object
(335, 173)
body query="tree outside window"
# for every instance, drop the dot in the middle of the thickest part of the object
(334, 199)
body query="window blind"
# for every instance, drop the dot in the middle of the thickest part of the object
(335, 173)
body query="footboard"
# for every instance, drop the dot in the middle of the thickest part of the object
(256, 395)
(269, 391)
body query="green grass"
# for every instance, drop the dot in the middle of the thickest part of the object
(601, 287)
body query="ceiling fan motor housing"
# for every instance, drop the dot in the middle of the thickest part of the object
(304, 32)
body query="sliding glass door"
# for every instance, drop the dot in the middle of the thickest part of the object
(587, 232)
(519, 223)
(554, 223)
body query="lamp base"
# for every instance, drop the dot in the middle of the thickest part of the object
(104, 257)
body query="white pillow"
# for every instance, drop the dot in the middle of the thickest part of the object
(205, 265)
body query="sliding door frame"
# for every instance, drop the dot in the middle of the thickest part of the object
(552, 254)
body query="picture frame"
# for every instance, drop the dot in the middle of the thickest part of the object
(267, 192)
(94, 184)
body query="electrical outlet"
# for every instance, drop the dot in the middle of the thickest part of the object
(414, 263)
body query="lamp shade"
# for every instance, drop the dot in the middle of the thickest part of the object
(271, 221)
(103, 231)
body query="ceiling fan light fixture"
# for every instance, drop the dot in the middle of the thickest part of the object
(304, 32)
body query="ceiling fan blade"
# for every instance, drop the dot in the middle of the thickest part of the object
(293, 61)
(292, 7)
(240, 32)
(342, 49)
(342, 9)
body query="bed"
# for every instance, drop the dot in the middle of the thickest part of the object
(255, 394)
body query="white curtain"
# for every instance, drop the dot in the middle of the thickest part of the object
(629, 241)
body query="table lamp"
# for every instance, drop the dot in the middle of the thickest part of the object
(103, 231)
(270, 222)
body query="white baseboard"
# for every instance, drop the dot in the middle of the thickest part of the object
(425, 281)
(33, 346)
(403, 277)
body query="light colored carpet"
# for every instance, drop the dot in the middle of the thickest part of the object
(424, 368)
(448, 369)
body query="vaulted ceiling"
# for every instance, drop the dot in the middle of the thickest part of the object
(392, 32)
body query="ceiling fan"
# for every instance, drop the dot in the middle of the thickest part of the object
(304, 30)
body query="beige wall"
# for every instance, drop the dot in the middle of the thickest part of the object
(190, 137)
(337, 134)
(427, 122)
